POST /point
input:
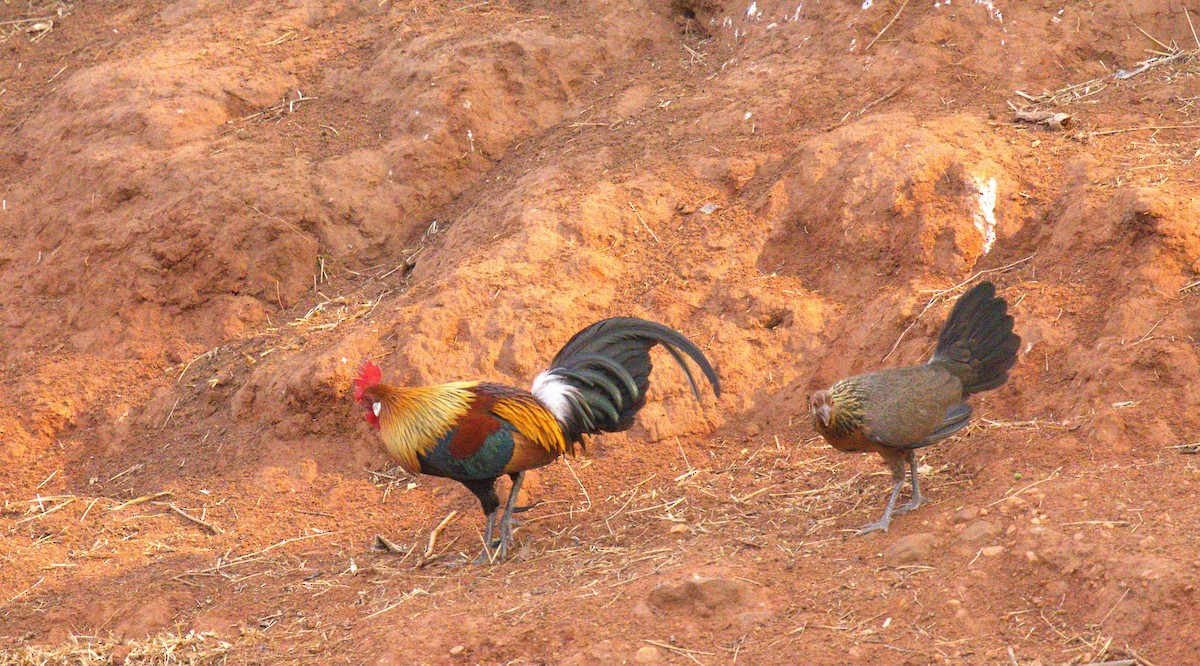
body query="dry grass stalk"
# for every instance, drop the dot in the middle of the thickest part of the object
(140, 500)
(45, 511)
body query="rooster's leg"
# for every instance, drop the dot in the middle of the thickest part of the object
(896, 462)
(485, 490)
(917, 498)
(506, 526)
(486, 556)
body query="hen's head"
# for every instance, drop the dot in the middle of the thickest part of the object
(364, 391)
(821, 406)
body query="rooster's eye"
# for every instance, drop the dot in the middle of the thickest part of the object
(375, 408)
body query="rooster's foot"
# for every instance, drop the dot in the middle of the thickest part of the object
(495, 553)
(877, 526)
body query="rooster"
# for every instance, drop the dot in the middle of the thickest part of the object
(896, 411)
(475, 432)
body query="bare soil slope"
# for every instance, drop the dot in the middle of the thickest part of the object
(212, 213)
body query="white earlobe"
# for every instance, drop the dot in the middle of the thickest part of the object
(375, 408)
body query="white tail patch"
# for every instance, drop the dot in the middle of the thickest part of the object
(555, 394)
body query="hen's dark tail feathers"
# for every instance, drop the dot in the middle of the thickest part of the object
(977, 343)
(606, 371)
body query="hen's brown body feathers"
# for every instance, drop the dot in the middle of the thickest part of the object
(894, 408)
(892, 412)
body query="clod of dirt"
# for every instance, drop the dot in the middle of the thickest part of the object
(965, 515)
(980, 530)
(911, 548)
(701, 596)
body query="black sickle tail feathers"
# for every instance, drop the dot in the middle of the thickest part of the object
(598, 381)
(977, 342)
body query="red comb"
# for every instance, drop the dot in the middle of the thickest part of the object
(368, 375)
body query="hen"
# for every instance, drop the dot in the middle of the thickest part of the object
(895, 411)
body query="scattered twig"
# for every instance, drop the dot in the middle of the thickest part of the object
(881, 99)
(406, 597)
(1114, 606)
(89, 509)
(1142, 660)
(23, 592)
(383, 543)
(43, 483)
(189, 363)
(885, 28)
(586, 496)
(171, 413)
(1056, 121)
(979, 274)
(1053, 475)
(203, 523)
(437, 531)
(1143, 129)
(643, 221)
(1147, 335)
(1147, 65)
(673, 648)
(1192, 27)
(121, 474)
(251, 556)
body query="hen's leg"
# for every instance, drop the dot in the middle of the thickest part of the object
(896, 462)
(917, 498)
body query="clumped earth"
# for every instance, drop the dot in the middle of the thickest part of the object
(213, 212)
